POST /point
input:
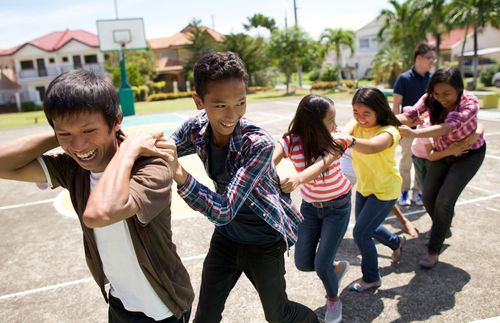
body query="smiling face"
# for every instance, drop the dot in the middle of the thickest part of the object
(225, 104)
(445, 94)
(366, 117)
(329, 119)
(87, 138)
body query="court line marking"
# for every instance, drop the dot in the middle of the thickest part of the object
(71, 283)
(14, 206)
(492, 156)
(488, 134)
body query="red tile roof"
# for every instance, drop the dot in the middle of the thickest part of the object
(56, 40)
(451, 39)
(183, 38)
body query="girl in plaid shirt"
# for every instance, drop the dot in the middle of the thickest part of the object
(453, 116)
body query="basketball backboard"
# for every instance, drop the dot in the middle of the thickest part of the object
(121, 34)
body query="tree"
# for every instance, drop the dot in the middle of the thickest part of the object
(403, 27)
(287, 48)
(140, 65)
(388, 64)
(335, 38)
(259, 20)
(476, 14)
(201, 43)
(435, 14)
(251, 50)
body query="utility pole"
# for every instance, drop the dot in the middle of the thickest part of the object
(299, 67)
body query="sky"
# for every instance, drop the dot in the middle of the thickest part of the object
(24, 20)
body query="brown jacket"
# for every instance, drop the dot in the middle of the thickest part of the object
(150, 186)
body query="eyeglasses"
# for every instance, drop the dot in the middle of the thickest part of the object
(430, 57)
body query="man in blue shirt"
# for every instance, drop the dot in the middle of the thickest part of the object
(408, 89)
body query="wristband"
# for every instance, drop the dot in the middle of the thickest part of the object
(353, 142)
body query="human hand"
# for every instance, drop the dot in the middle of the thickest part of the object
(289, 184)
(458, 148)
(142, 143)
(406, 131)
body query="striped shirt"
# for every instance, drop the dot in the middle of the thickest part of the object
(254, 180)
(462, 119)
(323, 188)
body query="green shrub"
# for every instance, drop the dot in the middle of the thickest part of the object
(486, 75)
(30, 106)
(350, 84)
(169, 96)
(140, 92)
(314, 76)
(255, 89)
(329, 74)
(156, 87)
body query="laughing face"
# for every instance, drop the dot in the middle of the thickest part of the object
(225, 105)
(366, 117)
(87, 138)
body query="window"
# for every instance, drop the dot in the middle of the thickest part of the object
(364, 43)
(52, 61)
(90, 59)
(65, 59)
(27, 65)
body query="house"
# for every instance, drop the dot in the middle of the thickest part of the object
(452, 47)
(173, 53)
(366, 46)
(31, 66)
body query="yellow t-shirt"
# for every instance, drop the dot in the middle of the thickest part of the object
(377, 173)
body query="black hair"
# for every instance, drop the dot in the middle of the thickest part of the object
(308, 124)
(451, 76)
(374, 99)
(217, 66)
(80, 91)
(423, 49)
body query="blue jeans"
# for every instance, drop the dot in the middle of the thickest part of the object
(370, 213)
(319, 238)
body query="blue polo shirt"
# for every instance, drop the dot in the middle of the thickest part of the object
(411, 86)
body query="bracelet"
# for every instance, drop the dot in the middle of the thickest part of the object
(353, 142)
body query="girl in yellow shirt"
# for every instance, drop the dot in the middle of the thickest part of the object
(379, 183)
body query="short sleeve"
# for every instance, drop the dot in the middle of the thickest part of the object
(285, 143)
(394, 132)
(150, 187)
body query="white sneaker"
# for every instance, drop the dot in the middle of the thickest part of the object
(333, 312)
(417, 198)
(404, 200)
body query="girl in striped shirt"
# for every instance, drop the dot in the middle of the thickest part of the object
(314, 146)
(453, 115)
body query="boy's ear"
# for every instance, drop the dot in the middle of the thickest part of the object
(118, 122)
(198, 101)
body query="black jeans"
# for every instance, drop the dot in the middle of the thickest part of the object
(117, 313)
(445, 180)
(265, 268)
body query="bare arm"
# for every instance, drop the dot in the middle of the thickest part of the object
(278, 153)
(291, 183)
(373, 145)
(110, 200)
(431, 131)
(18, 157)
(458, 148)
(396, 103)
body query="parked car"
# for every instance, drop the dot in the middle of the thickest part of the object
(482, 64)
(496, 79)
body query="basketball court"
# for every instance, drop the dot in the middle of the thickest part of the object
(44, 278)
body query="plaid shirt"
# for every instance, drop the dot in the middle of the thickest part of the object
(254, 179)
(462, 119)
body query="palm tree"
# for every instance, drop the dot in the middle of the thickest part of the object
(259, 20)
(476, 14)
(403, 27)
(335, 38)
(435, 17)
(388, 64)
